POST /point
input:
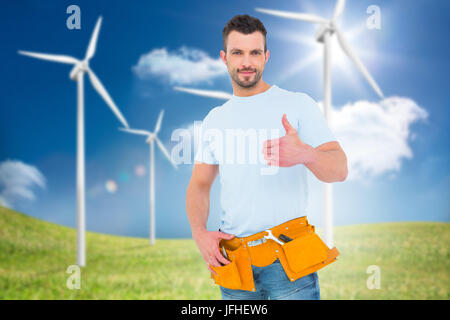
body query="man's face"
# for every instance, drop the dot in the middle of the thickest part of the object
(245, 58)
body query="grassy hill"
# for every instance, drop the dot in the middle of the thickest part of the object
(34, 255)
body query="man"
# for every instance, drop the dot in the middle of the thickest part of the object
(253, 198)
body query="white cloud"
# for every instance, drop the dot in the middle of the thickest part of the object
(17, 180)
(375, 136)
(184, 66)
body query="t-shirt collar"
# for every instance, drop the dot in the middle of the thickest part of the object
(255, 96)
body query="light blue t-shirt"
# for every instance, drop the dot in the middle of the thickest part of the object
(255, 196)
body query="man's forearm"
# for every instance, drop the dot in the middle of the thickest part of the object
(197, 207)
(328, 166)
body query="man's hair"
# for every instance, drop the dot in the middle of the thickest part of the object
(244, 24)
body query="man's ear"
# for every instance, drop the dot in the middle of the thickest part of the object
(267, 55)
(223, 56)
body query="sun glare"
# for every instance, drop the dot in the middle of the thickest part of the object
(312, 55)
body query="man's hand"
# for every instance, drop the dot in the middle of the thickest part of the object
(288, 150)
(208, 243)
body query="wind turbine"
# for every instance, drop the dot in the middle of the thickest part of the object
(205, 93)
(77, 74)
(151, 138)
(328, 27)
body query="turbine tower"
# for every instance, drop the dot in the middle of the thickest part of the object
(77, 74)
(151, 138)
(328, 27)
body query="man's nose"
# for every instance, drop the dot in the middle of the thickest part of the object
(246, 61)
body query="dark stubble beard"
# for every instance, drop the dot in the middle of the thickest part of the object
(246, 84)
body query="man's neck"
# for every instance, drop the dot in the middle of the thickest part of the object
(260, 87)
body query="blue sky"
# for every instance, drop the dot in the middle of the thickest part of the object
(399, 168)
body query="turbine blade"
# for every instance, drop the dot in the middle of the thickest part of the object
(206, 93)
(338, 9)
(93, 42)
(158, 123)
(104, 94)
(166, 153)
(51, 57)
(345, 46)
(292, 15)
(141, 132)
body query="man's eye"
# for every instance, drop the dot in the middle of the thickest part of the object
(256, 52)
(236, 52)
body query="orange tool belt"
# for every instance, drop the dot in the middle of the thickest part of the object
(303, 255)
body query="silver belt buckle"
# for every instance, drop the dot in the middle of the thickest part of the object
(256, 242)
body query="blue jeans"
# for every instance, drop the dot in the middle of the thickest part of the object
(271, 282)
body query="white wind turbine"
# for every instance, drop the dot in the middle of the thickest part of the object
(151, 138)
(77, 74)
(326, 29)
(206, 93)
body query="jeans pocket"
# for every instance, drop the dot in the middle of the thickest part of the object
(304, 288)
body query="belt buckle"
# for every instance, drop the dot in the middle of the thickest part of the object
(256, 242)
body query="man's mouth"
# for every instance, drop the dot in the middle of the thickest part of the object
(246, 72)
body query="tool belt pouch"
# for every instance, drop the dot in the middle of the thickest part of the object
(305, 254)
(238, 273)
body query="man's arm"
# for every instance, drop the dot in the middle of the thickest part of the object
(197, 195)
(197, 207)
(329, 162)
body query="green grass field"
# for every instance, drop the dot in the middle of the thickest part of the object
(34, 255)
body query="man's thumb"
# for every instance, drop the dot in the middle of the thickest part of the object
(287, 126)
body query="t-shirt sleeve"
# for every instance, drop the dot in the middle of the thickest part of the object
(204, 151)
(313, 127)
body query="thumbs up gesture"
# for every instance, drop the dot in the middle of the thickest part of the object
(288, 150)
